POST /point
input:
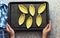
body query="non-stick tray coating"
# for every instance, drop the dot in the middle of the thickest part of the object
(14, 13)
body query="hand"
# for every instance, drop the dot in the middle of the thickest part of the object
(10, 31)
(46, 30)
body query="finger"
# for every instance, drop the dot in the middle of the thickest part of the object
(9, 26)
(7, 29)
(49, 28)
(50, 24)
(46, 26)
(10, 29)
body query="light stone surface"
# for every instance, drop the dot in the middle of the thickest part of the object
(54, 12)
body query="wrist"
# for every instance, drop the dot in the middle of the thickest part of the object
(12, 35)
(44, 35)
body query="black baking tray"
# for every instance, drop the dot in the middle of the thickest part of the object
(14, 13)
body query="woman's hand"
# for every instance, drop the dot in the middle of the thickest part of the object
(46, 30)
(10, 31)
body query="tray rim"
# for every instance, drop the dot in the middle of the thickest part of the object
(27, 2)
